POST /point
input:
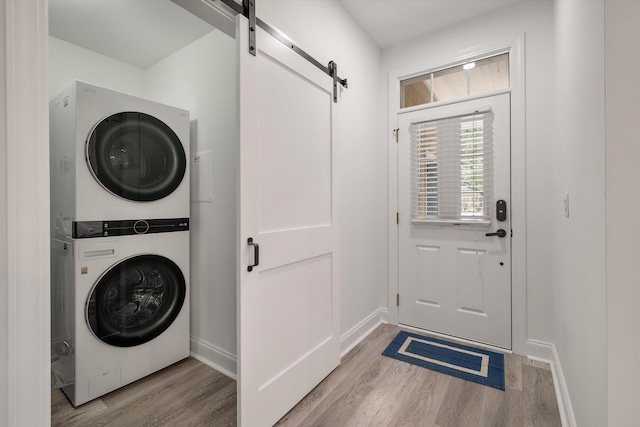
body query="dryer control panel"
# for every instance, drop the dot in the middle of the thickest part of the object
(89, 229)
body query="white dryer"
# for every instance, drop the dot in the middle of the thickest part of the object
(130, 310)
(116, 156)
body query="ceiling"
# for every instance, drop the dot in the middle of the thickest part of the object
(143, 32)
(137, 32)
(390, 22)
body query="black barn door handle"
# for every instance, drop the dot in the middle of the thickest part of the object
(256, 253)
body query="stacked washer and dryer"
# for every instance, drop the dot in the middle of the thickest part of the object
(119, 239)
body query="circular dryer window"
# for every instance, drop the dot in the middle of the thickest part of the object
(136, 300)
(136, 156)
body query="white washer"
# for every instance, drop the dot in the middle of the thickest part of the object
(130, 308)
(116, 156)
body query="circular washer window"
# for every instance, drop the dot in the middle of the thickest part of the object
(136, 156)
(136, 300)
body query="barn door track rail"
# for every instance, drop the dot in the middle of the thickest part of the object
(248, 9)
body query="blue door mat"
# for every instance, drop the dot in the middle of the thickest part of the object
(469, 363)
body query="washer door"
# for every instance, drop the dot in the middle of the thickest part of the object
(136, 300)
(136, 156)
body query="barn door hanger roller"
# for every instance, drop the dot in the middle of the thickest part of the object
(248, 9)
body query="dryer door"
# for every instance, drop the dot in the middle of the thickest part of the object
(136, 300)
(136, 156)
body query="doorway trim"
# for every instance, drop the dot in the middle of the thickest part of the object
(515, 46)
(25, 369)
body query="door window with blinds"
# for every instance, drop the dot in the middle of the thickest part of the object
(452, 169)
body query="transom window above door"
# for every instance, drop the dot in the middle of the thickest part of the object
(470, 78)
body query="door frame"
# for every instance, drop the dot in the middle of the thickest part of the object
(516, 48)
(25, 396)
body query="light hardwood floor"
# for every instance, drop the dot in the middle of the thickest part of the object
(367, 389)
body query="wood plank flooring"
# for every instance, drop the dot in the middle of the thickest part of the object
(187, 393)
(367, 389)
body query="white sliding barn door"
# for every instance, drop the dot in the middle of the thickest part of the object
(288, 332)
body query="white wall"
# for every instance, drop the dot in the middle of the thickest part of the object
(622, 151)
(535, 20)
(201, 78)
(579, 240)
(331, 34)
(68, 62)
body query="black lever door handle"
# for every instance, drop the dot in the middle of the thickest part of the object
(256, 253)
(499, 233)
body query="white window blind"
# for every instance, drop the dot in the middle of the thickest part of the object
(452, 168)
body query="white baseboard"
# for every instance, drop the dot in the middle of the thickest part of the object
(562, 392)
(539, 350)
(546, 352)
(215, 357)
(226, 363)
(359, 332)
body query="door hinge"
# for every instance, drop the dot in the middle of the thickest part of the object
(397, 217)
(395, 132)
(398, 299)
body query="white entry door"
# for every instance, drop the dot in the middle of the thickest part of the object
(288, 331)
(454, 263)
